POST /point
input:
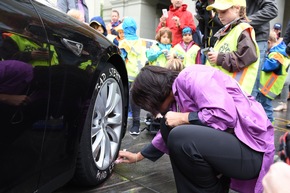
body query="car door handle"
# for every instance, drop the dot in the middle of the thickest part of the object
(75, 47)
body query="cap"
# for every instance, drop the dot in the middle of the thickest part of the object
(226, 4)
(95, 23)
(186, 30)
(277, 26)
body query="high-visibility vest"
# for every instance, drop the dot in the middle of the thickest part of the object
(271, 84)
(136, 56)
(161, 60)
(189, 56)
(26, 45)
(229, 43)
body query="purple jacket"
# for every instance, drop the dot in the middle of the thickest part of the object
(15, 76)
(201, 89)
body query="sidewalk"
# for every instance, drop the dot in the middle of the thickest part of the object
(153, 177)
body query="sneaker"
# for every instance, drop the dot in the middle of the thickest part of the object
(134, 130)
(281, 107)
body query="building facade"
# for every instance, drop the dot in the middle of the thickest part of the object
(147, 12)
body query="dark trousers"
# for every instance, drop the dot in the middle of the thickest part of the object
(199, 154)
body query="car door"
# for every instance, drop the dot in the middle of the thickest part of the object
(25, 108)
(68, 72)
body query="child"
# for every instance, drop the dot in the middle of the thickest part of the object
(273, 74)
(159, 53)
(133, 52)
(187, 49)
(120, 35)
(77, 14)
(98, 24)
(175, 64)
(236, 52)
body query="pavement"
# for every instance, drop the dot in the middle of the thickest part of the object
(154, 177)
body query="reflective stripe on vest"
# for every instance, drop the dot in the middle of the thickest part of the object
(247, 76)
(271, 84)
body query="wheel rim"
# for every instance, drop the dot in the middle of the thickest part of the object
(106, 124)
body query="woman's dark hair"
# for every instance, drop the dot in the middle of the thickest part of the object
(152, 86)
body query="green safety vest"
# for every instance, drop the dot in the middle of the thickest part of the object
(136, 56)
(229, 43)
(26, 45)
(161, 60)
(189, 57)
(271, 84)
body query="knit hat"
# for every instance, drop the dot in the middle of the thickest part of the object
(186, 30)
(277, 26)
(226, 4)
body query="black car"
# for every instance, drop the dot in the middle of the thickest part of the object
(63, 100)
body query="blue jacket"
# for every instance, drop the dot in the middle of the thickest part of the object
(99, 20)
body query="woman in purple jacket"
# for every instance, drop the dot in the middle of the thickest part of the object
(221, 136)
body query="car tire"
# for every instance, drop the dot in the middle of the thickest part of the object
(103, 129)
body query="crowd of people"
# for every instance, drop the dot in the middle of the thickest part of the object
(212, 86)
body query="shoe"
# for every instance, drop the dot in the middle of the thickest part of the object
(288, 126)
(134, 130)
(281, 107)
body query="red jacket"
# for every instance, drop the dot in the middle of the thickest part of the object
(186, 20)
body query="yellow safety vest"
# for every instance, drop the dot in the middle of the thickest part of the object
(271, 84)
(136, 56)
(161, 60)
(229, 43)
(27, 45)
(189, 56)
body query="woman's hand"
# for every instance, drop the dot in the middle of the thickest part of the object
(174, 119)
(128, 157)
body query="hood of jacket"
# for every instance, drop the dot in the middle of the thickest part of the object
(182, 8)
(130, 27)
(280, 48)
(99, 20)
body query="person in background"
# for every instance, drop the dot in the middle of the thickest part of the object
(236, 52)
(208, 23)
(285, 90)
(66, 5)
(115, 22)
(273, 74)
(178, 18)
(159, 53)
(175, 64)
(277, 178)
(77, 14)
(277, 29)
(211, 139)
(260, 13)
(133, 51)
(98, 24)
(120, 35)
(187, 49)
